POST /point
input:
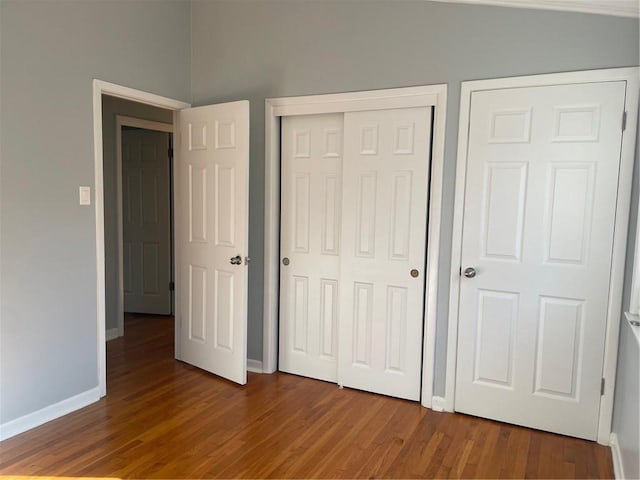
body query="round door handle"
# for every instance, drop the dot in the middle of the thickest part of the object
(469, 272)
(237, 260)
(414, 273)
(285, 261)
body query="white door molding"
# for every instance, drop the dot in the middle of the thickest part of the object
(100, 88)
(614, 309)
(429, 96)
(124, 121)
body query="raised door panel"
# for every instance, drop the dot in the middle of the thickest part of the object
(497, 322)
(560, 347)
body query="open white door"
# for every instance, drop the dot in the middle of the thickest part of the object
(211, 175)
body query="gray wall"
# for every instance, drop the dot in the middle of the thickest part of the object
(110, 108)
(256, 49)
(50, 52)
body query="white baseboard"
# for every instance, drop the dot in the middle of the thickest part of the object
(618, 466)
(254, 366)
(112, 333)
(437, 404)
(46, 414)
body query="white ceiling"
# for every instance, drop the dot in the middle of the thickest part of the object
(623, 8)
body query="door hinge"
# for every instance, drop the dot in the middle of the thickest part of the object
(624, 121)
(460, 271)
(602, 387)
(170, 153)
(172, 286)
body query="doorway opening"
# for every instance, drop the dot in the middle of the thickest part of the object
(106, 200)
(137, 153)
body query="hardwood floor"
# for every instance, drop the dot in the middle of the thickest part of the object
(165, 419)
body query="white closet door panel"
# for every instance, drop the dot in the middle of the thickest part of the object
(540, 197)
(310, 240)
(385, 194)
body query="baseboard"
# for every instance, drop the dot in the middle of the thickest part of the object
(437, 404)
(616, 456)
(46, 414)
(254, 366)
(112, 333)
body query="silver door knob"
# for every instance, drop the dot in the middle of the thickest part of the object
(469, 272)
(237, 260)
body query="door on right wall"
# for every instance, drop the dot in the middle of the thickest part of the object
(539, 213)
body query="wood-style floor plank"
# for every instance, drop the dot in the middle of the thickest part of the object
(166, 419)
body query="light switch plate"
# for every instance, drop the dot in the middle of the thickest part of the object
(85, 195)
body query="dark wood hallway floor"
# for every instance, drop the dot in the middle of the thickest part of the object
(165, 419)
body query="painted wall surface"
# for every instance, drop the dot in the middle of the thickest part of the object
(50, 52)
(256, 49)
(111, 107)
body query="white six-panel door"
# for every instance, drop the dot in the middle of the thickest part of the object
(385, 194)
(146, 229)
(540, 202)
(211, 237)
(310, 244)
(353, 230)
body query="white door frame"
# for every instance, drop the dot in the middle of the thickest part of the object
(100, 88)
(427, 96)
(614, 309)
(125, 121)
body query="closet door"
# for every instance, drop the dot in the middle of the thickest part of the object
(310, 244)
(385, 194)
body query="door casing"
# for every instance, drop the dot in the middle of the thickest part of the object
(425, 96)
(614, 309)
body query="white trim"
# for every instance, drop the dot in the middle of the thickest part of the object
(46, 414)
(437, 404)
(125, 121)
(616, 457)
(112, 334)
(621, 8)
(254, 366)
(105, 88)
(614, 311)
(431, 96)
